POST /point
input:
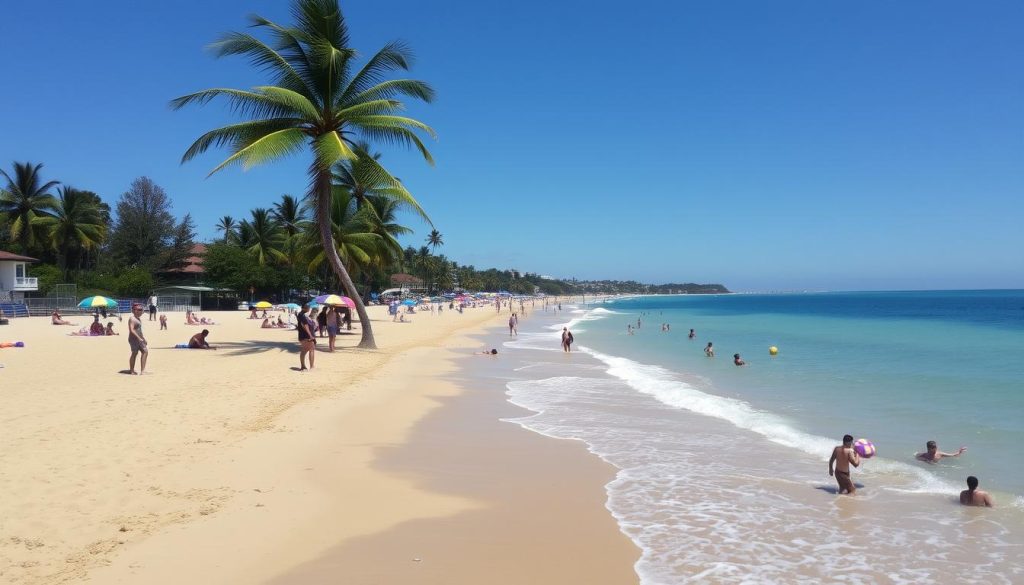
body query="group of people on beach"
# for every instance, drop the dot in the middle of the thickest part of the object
(843, 456)
(95, 330)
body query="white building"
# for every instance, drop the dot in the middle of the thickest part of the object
(14, 278)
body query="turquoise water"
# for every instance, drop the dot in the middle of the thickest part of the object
(899, 368)
(722, 469)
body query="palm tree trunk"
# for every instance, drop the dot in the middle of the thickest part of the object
(323, 201)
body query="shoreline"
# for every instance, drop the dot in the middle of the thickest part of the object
(539, 513)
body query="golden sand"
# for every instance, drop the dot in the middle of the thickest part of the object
(221, 466)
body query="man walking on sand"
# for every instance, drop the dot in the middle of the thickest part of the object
(842, 456)
(152, 307)
(136, 340)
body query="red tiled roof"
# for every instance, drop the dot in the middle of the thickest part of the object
(11, 256)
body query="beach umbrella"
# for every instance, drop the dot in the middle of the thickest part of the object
(331, 299)
(293, 306)
(97, 301)
(313, 305)
(409, 302)
(264, 305)
(348, 302)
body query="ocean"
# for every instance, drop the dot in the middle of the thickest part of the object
(722, 470)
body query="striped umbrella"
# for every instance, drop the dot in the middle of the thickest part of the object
(97, 301)
(334, 300)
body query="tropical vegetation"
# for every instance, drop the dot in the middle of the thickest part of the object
(324, 101)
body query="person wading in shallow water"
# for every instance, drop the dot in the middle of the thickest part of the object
(567, 339)
(843, 456)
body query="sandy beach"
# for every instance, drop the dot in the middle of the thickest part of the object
(228, 466)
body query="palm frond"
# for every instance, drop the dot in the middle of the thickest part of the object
(272, 146)
(238, 133)
(254, 104)
(263, 57)
(396, 87)
(329, 149)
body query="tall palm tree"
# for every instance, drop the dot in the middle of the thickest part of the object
(266, 236)
(321, 101)
(25, 199)
(435, 239)
(229, 226)
(76, 226)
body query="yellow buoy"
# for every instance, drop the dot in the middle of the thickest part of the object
(773, 350)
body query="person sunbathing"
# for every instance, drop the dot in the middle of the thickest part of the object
(267, 324)
(281, 323)
(110, 329)
(96, 328)
(190, 318)
(56, 319)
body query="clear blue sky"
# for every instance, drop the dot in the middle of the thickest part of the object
(762, 145)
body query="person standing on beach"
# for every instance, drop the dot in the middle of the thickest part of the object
(512, 325)
(137, 341)
(307, 343)
(932, 453)
(972, 496)
(567, 339)
(152, 307)
(842, 457)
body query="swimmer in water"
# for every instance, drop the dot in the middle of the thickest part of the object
(972, 496)
(709, 350)
(932, 453)
(736, 359)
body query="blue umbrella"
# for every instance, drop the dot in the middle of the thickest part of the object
(409, 302)
(292, 306)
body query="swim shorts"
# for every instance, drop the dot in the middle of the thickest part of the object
(844, 481)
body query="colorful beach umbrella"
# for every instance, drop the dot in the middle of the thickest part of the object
(409, 302)
(348, 302)
(97, 301)
(331, 299)
(264, 305)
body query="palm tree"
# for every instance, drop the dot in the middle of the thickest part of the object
(352, 233)
(363, 178)
(76, 226)
(265, 236)
(435, 239)
(320, 101)
(24, 200)
(290, 214)
(385, 224)
(228, 225)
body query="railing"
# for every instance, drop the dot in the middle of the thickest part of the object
(26, 283)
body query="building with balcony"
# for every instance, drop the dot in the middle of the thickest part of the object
(14, 278)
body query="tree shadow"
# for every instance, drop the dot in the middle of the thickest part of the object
(254, 347)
